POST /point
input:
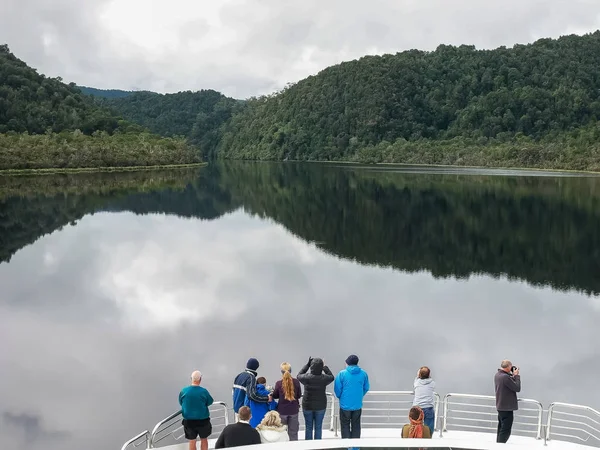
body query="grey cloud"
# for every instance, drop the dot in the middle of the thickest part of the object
(270, 43)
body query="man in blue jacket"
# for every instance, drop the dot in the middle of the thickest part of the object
(244, 386)
(350, 387)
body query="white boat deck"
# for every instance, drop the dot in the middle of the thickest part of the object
(463, 421)
(389, 438)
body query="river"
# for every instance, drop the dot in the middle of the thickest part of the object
(114, 287)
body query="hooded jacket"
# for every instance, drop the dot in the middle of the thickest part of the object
(424, 392)
(245, 385)
(350, 387)
(259, 409)
(273, 434)
(315, 382)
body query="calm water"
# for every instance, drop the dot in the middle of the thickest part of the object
(115, 287)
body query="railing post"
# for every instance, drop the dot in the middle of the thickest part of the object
(549, 422)
(332, 422)
(335, 428)
(445, 421)
(544, 432)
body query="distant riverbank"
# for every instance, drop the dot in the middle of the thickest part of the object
(52, 171)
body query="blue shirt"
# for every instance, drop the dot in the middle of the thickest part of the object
(194, 401)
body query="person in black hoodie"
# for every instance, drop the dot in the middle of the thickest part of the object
(314, 402)
(507, 382)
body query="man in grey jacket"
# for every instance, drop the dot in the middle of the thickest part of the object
(507, 382)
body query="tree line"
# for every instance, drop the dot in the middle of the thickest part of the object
(45, 123)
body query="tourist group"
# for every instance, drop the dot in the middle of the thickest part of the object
(270, 414)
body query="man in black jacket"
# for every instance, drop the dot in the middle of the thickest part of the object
(507, 382)
(240, 433)
(314, 401)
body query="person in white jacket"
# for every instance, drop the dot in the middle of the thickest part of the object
(424, 388)
(271, 429)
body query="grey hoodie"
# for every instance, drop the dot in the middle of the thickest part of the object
(424, 389)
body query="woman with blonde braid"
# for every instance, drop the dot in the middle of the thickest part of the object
(288, 391)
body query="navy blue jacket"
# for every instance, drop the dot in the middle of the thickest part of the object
(244, 386)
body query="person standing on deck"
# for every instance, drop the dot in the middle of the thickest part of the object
(424, 388)
(350, 386)
(194, 401)
(288, 391)
(314, 400)
(244, 386)
(507, 382)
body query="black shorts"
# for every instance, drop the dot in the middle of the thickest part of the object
(196, 428)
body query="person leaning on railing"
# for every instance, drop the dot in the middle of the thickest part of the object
(424, 388)
(507, 382)
(416, 429)
(314, 400)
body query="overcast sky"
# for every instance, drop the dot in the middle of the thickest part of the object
(246, 48)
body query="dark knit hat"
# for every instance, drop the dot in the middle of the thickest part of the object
(252, 364)
(352, 360)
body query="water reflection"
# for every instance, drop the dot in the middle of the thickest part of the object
(106, 318)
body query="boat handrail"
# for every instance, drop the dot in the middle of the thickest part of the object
(584, 430)
(463, 412)
(133, 441)
(394, 406)
(164, 426)
(484, 417)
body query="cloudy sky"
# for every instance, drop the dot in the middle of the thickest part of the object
(246, 48)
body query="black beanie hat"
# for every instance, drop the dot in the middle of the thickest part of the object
(352, 360)
(252, 364)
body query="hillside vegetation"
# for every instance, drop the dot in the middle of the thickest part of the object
(395, 108)
(104, 93)
(45, 123)
(197, 116)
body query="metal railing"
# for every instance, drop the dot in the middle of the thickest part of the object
(389, 408)
(171, 427)
(134, 442)
(330, 413)
(478, 413)
(573, 422)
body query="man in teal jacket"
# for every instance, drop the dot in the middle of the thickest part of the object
(350, 387)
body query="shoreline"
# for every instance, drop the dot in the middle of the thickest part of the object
(449, 166)
(53, 171)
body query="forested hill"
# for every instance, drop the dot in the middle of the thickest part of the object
(33, 103)
(195, 115)
(104, 93)
(536, 91)
(47, 124)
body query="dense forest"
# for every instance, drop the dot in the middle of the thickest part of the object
(534, 105)
(105, 93)
(46, 123)
(198, 116)
(529, 228)
(393, 108)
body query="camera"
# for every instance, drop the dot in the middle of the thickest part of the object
(513, 368)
